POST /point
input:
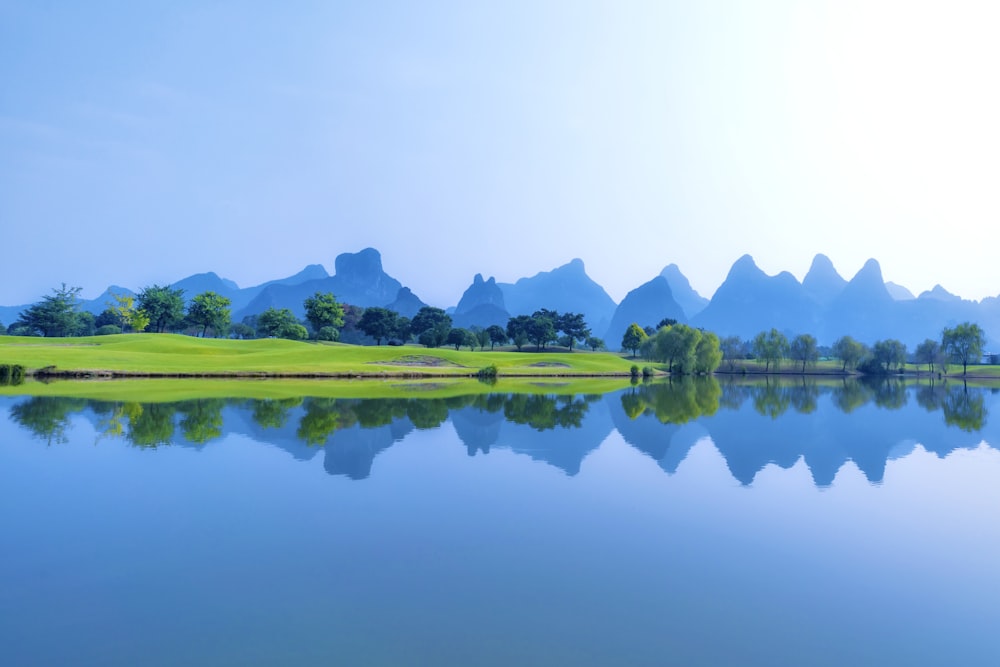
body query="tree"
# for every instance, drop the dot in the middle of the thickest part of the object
(458, 337)
(595, 343)
(929, 352)
(677, 346)
(889, 353)
(126, 314)
(280, 324)
(243, 330)
(965, 343)
(431, 326)
(378, 323)
(55, 314)
(849, 351)
(482, 337)
(542, 329)
(164, 306)
(633, 338)
(665, 322)
(803, 348)
(574, 326)
(732, 349)
(497, 335)
(209, 310)
(322, 310)
(771, 346)
(707, 353)
(517, 330)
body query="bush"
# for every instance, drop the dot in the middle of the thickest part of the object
(634, 371)
(488, 374)
(11, 374)
(647, 372)
(107, 330)
(328, 334)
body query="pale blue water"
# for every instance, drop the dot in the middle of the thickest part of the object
(766, 526)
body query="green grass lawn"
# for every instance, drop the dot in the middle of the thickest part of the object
(175, 354)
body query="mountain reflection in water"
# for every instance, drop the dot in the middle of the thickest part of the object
(752, 424)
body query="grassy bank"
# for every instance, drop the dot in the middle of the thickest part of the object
(175, 355)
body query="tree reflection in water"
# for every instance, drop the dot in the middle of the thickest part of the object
(351, 432)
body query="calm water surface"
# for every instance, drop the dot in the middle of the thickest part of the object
(686, 524)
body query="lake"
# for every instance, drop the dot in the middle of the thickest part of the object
(689, 523)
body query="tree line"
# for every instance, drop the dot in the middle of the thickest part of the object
(962, 344)
(162, 309)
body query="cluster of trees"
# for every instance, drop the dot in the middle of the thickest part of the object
(684, 349)
(432, 327)
(162, 309)
(962, 344)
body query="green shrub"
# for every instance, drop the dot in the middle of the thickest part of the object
(11, 374)
(634, 371)
(328, 334)
(107, 330)
(647, 372)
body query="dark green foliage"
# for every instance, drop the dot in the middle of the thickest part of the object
(431, 326)
(488, 374)
(105, 318)
(163, 305)
(497, 335)
(379, 323)
(517, 330)
(107, 330)
(459, 337)
(275, 323)
(634, 371)
(56, 314)
(573, 326)
(209, 310)
(328, 334)
(595, 343)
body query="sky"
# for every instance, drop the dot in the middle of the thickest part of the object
(144, 142)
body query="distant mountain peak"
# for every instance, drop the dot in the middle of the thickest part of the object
(940, 293)
(481, 292)
(823, 282)
(898, 292)
(743, 267)
(689, 300)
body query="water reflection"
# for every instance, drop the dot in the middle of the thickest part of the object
(752, 425)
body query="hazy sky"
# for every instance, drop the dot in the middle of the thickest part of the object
(141, 142)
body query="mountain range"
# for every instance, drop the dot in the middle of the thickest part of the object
(824, 303)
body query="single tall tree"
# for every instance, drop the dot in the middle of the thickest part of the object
(323, 310)
(633, 338)
(56, 314)
(163, 305)
(803, 348)
(965, 343)
(210, 310)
